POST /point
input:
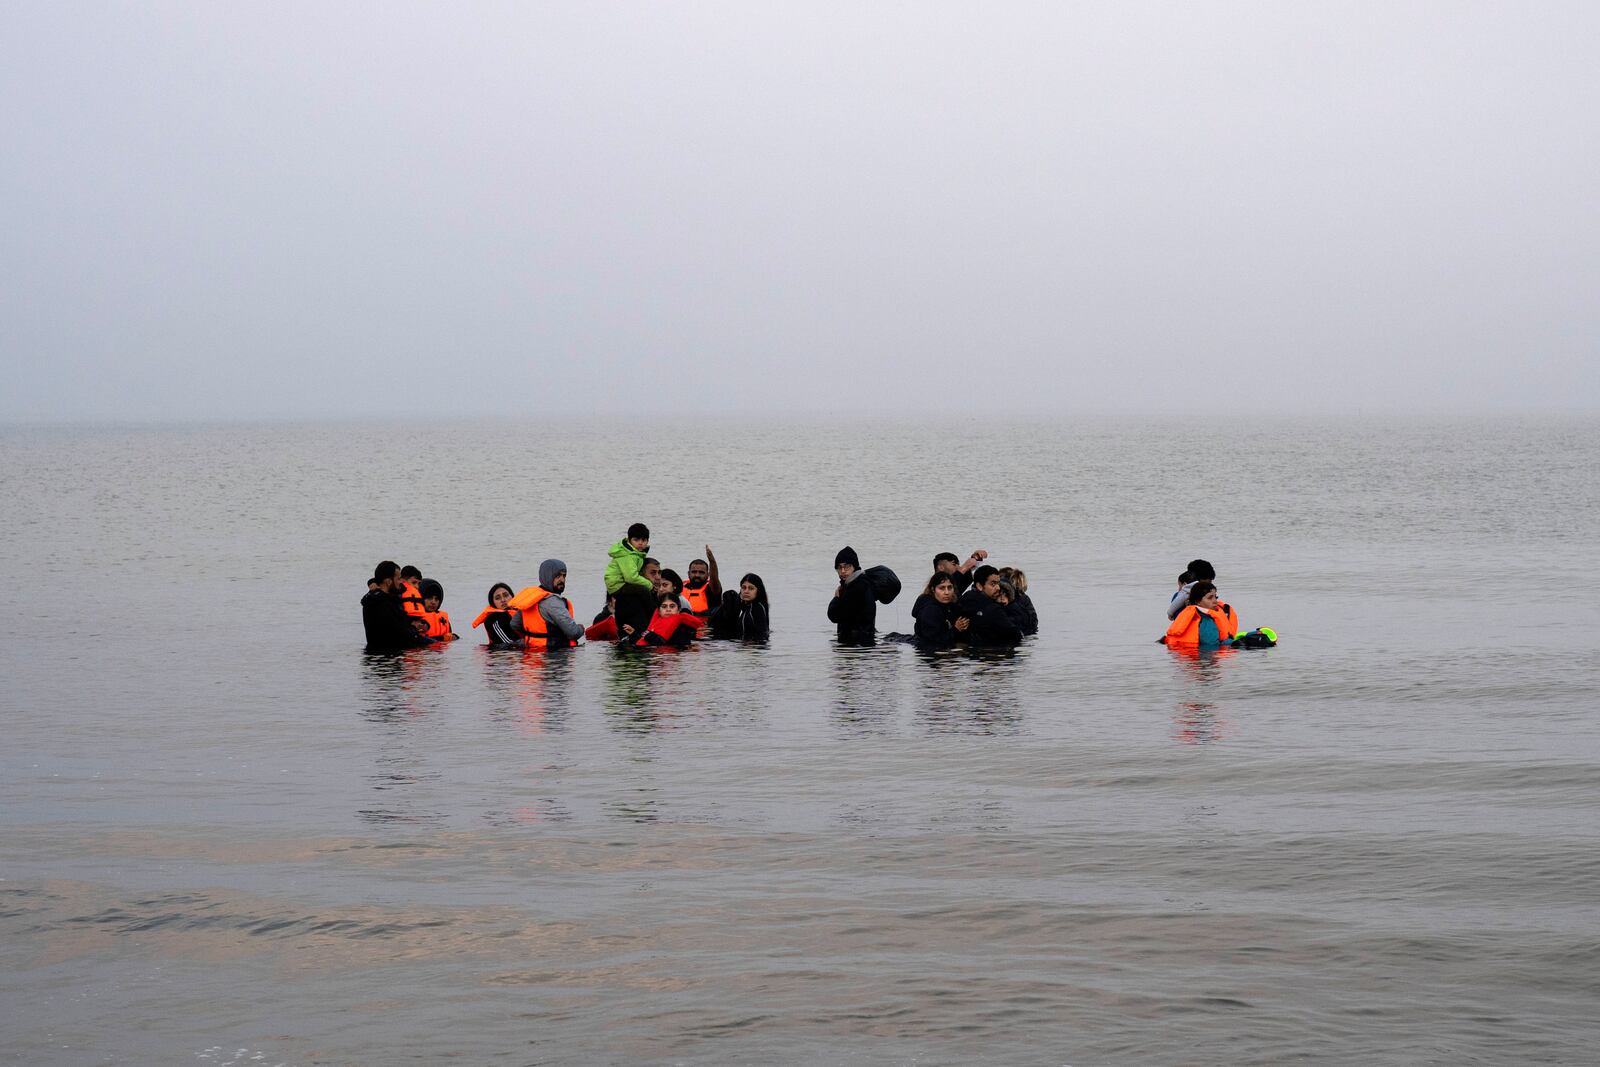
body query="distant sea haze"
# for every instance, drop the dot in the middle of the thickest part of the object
(241, 839)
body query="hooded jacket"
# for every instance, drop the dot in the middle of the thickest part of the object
(935, 622)
(554, 609)
(623, 570)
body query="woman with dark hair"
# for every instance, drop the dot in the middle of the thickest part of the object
(745, 614)
(668, 581)
(502, 623)
(935, 613)
(1204, 622)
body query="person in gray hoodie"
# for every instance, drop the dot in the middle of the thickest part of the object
(553, 609)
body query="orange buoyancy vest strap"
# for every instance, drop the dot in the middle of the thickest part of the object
(411, 598)
(699, 600)
(534, 624)
(1185, 629)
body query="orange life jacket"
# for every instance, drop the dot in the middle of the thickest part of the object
(439, 625)
(533, 624)
(411, 597)
(699, 600)
(1185, 629)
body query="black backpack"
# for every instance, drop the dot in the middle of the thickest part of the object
(885, 583)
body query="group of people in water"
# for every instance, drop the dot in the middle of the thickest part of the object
(646, 605)
(964, 603)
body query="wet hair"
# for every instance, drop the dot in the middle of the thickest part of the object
(639, 530)
(938, 578)
(385, 570)
(1201, 571)
(1199, 591)
(702, 563)
(667, 597)
(944, 557)
(1008, 589)
(1018, 579)
(428, 587)
(649, 560)
(498, 585)
(672, 576)
(983, 573)
(761, 587)
(408, 571)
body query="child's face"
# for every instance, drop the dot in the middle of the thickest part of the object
(432, 602)
(420, 626)
(502, 597)
(669, 607)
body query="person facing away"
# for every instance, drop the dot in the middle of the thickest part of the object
(670, 625)
(502, 624)
(854, 608)
(546, 613)
(388, 627)
(1198, 570)
(960, 573)
(990, 622)
(702, 589)
(1204, 622)
(437, 619)
(937, 624)
(626, 580)
(1021, 604)
(745, 614)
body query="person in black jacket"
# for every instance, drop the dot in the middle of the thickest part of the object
(938, 626)
(743, 614)
(387, 624)
(854, 608)
(990, 623)
(1021, 606)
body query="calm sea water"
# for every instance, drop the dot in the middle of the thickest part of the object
(230, 837)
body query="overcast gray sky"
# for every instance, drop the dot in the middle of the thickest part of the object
(261, 210)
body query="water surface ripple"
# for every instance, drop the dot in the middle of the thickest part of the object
(230, 836)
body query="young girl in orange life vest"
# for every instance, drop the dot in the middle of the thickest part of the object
(1205, 622)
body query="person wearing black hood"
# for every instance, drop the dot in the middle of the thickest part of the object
(992, 624)
(546, 614)
(854, 608)
(743, 615)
